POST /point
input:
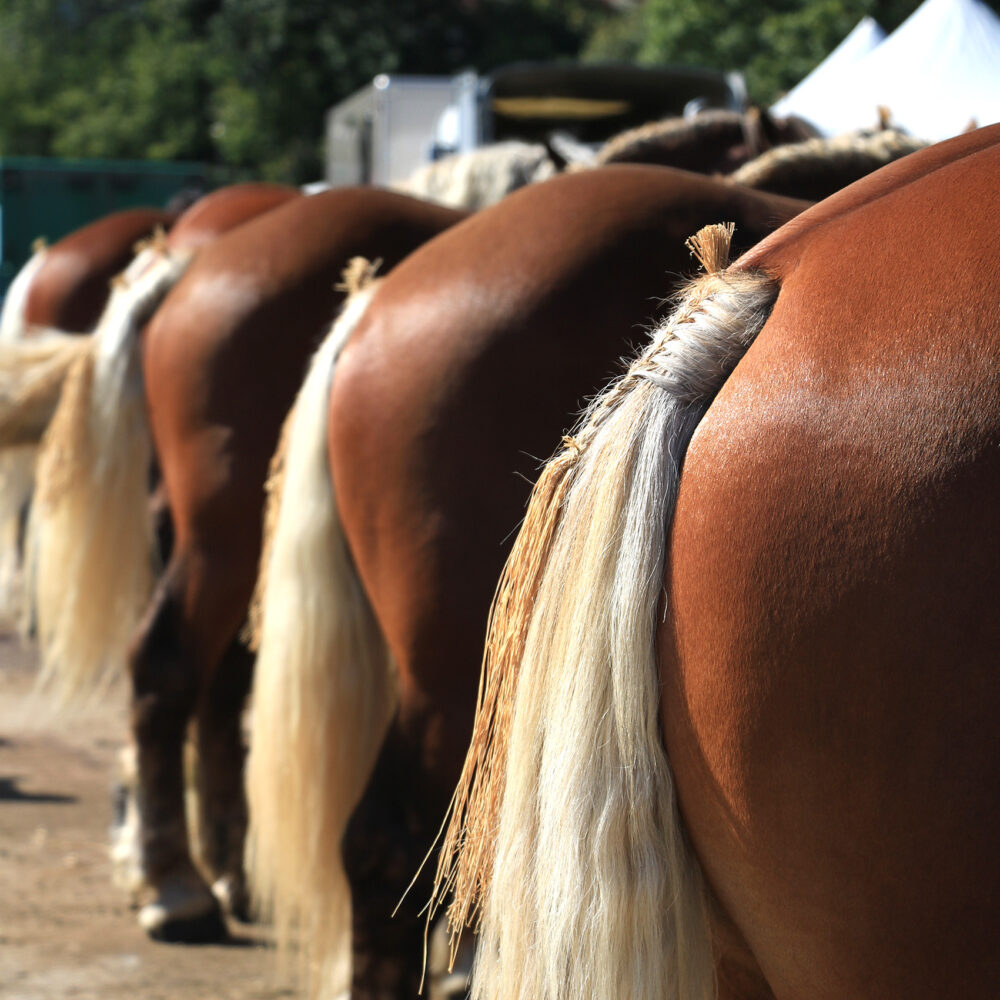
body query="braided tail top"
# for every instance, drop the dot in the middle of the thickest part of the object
(655, 406)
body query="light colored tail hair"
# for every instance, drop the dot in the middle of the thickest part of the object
(32, 373)
(12, 321)
(324, 687)
(17, 466)
(33, 363)
(566, 804)
(90, 554)
(481, 177)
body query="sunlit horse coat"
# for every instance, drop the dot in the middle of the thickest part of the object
(803, 618)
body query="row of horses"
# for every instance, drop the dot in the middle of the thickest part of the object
(799, 622)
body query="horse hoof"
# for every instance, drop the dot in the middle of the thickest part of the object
(232, 894)
(209, 928)
(178, 921)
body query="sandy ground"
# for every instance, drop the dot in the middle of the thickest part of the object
(65, 931)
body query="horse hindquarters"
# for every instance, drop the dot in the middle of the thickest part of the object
(323, 686)
(572, 809)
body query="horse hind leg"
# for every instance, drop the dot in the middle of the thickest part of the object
(181, 907)
(385, 844)
(222, 806)
(126, 842)
(449, 978)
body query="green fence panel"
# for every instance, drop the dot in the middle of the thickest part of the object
(42, 197)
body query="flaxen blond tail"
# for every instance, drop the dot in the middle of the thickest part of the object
(17, 465)
(324, 689)
(32, 373)
(90, 541)
(565, 843)
(13, 325)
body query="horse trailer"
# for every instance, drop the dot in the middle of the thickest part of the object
(387, 130)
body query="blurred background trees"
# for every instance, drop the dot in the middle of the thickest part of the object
(246, 83)
(774, 43)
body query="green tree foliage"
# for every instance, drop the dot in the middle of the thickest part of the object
(241, 82)
(775, 43)
(246, 83)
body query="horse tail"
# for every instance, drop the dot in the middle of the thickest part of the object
(12, 321)
(17, 466)
(32, 373)
(324, 685)
(34, 362)
(566, 802)
(90, 549)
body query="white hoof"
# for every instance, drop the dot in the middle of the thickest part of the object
(184, 911)
(231, 893)
(126, 841)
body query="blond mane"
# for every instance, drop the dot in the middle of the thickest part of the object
(855, 154)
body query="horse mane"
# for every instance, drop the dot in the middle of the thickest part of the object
(670, 134)
(481, 177)
(820, 161)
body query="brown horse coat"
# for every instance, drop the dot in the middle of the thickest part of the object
(830, 683)
(70, 288)
(224, 209)
(826, 414)
(225, 353)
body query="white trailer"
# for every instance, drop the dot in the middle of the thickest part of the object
(385, 131)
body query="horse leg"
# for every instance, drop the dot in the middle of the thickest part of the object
(163, 524)
(384, 845)
(165, 687)
(448, 978)
(222, 806)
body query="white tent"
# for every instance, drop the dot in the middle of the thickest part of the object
(810, 98)
(938, 71)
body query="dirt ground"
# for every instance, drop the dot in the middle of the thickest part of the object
(65, 930)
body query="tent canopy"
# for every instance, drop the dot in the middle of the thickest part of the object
(811, 97)
(937, 72)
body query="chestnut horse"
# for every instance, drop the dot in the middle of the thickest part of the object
(460, 366)
(802, 620)
(222, 358)
(67, 533)
(75, 543)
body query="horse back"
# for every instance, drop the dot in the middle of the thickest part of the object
(70, 288)
(828, 661)
(221, 210)
(473, 356)
(225, 353)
